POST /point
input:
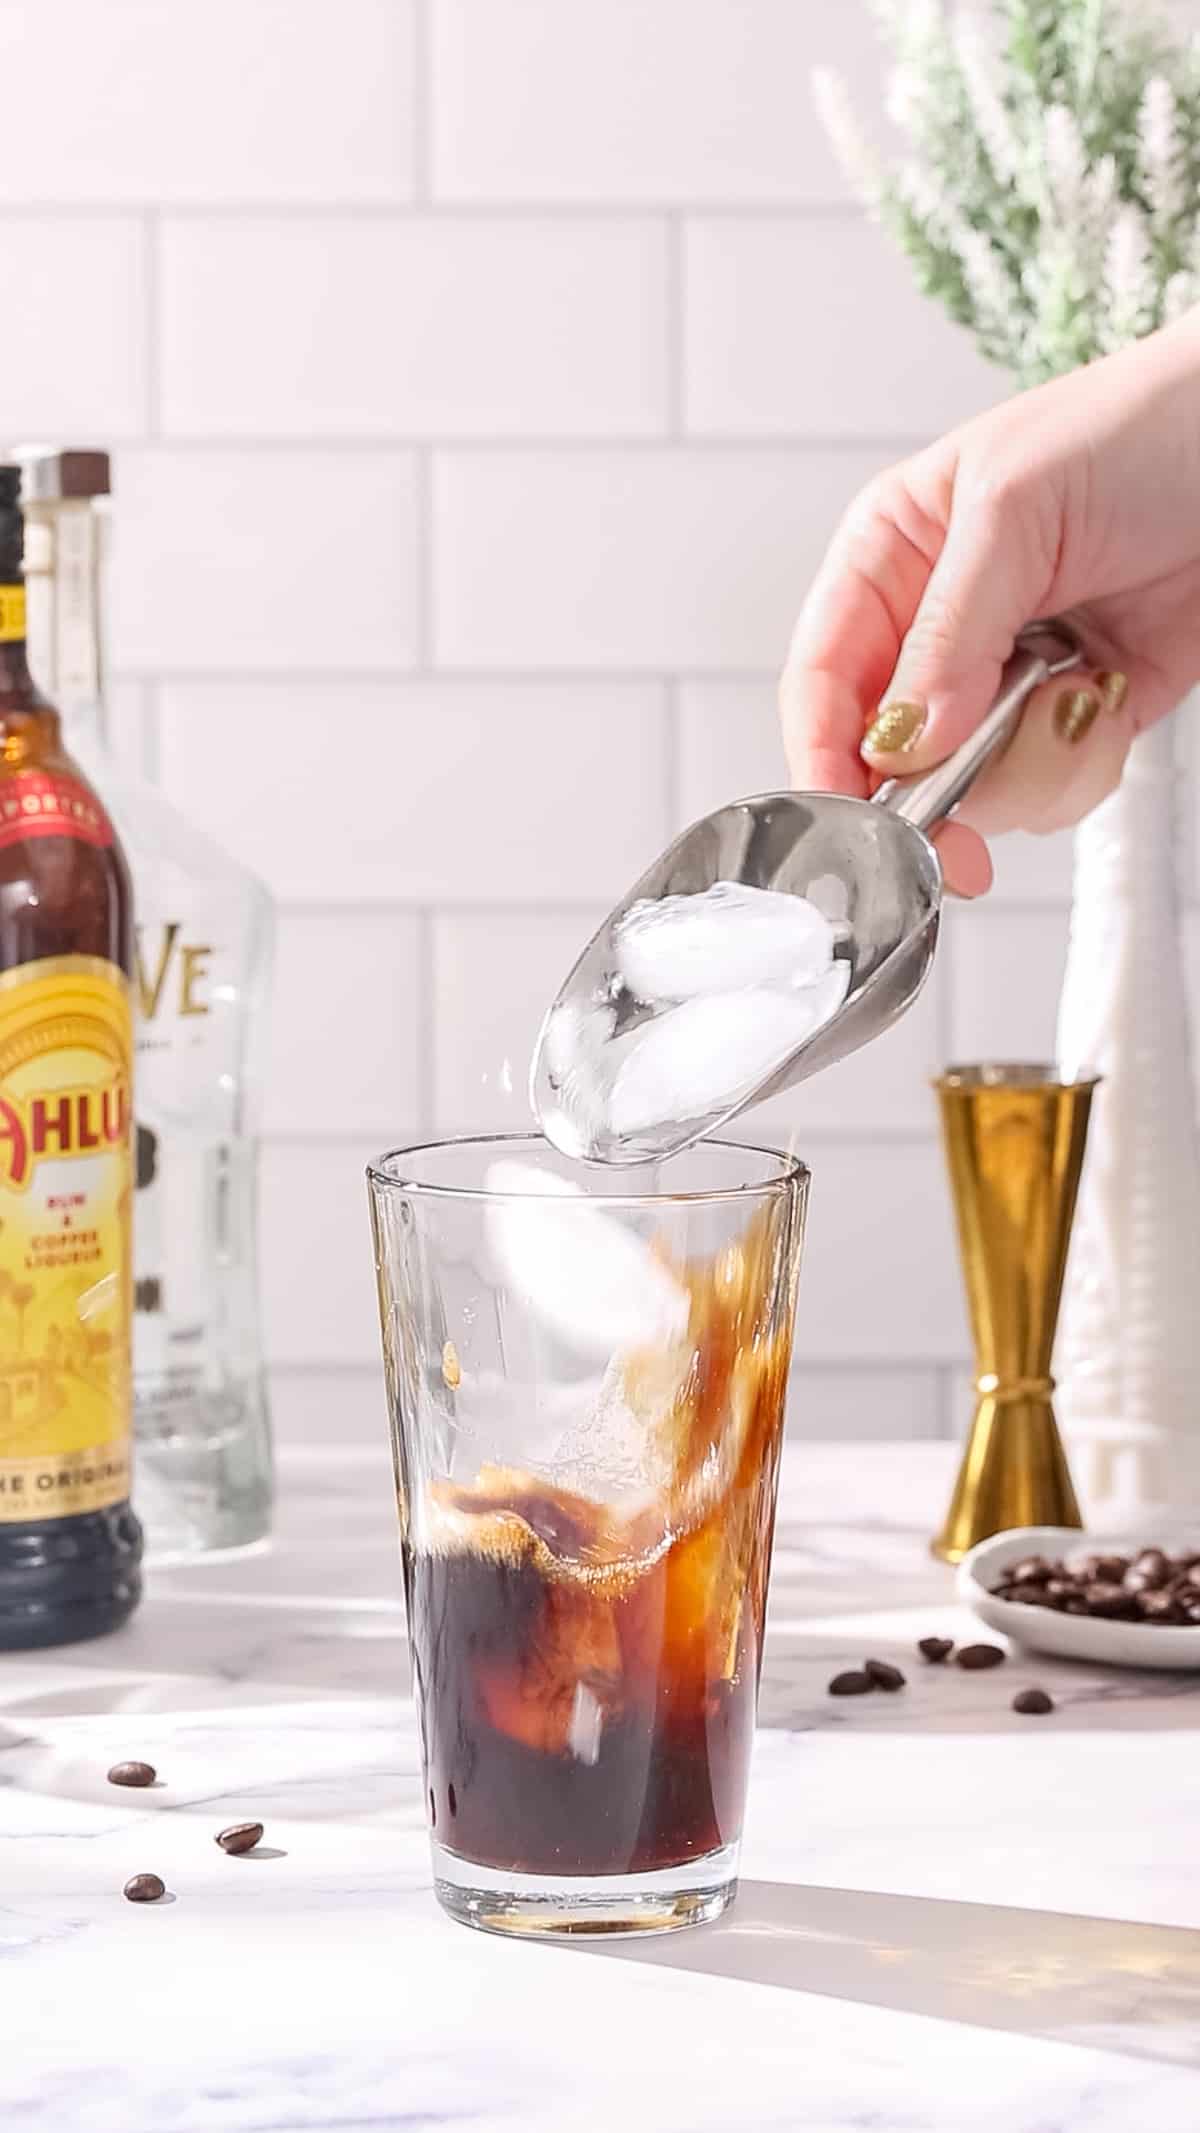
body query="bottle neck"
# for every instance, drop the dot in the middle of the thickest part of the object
(21, 700)
(15, 677)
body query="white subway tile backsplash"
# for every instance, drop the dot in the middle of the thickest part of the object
(129, 711)
(1032, 870)
(638, 99)
(730, 743)
(134, 100)
(880, 1281)
(72, 297)
(413, 326)
(348, 1024)
(1006, 975)
(330, 1409)
(318, 1279)
(342, 793)
(857, 1406)
(883, 1088)
(610, 560)
(784, 324)
(494, 975)
(486, 378)
(231, 561)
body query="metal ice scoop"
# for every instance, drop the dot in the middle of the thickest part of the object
(867, 865)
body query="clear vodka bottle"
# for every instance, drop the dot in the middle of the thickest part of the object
(203, 1478)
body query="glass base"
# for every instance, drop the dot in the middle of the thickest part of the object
(547, 1906)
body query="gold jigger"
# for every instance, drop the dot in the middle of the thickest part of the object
(1014, 1138)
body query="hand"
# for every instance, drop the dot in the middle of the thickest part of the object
(1080, 499)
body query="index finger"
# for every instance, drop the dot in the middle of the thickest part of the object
(847, 641)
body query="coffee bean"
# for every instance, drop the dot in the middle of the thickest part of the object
(935, 1649)
(850, 1684)
(1032, 1703)
(1110, 1602)
(1160, 1607)
(145, 1888)
(132, 1774)
(1034, 1570)
(240, 1837)
(884, 1676)
(976, 1656)
(1106, 1569)
(1100, 1568)
(1150, 1569)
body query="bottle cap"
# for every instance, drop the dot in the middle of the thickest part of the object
(12, 525)
(50, 474)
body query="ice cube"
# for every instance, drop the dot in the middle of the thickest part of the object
(725, 937)
(574, 1052)
(575, 1035)
(581, 1271)
(701, 1058)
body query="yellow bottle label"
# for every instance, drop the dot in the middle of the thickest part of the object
(66, 1201)
(12, 614)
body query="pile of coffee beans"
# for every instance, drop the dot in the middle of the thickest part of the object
(1151, 1586)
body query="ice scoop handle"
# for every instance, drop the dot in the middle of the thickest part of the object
(1046, 649)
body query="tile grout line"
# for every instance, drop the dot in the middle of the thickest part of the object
(441, 209)
(518, 444)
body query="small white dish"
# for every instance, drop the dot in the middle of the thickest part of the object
(1040, 1629)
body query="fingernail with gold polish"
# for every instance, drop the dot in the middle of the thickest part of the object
(1114, 688)
(896, 729)
(1075, 714)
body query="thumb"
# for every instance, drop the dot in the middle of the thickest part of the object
(978, 597)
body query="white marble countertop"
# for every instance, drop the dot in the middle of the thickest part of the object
(951, 1917)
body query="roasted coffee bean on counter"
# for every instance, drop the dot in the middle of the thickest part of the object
(874, 1674)
(851, 1683)
(1151, 1586)
(976, 1656)
(132, 1774)
(1032, 1703)
(883, 1676)
(145, 1888)
(935, 1649)
(240, 1837)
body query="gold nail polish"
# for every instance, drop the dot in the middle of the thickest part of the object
(895, 729)
(1114, 688)
(1075, 714)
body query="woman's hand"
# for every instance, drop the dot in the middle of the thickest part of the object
(1080, 499)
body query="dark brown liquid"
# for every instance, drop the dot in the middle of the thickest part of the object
(587, 1689)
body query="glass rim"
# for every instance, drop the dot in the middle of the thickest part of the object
(971, 1076)
(792, 1172)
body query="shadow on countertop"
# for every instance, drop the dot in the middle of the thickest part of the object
(1107, 1984)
